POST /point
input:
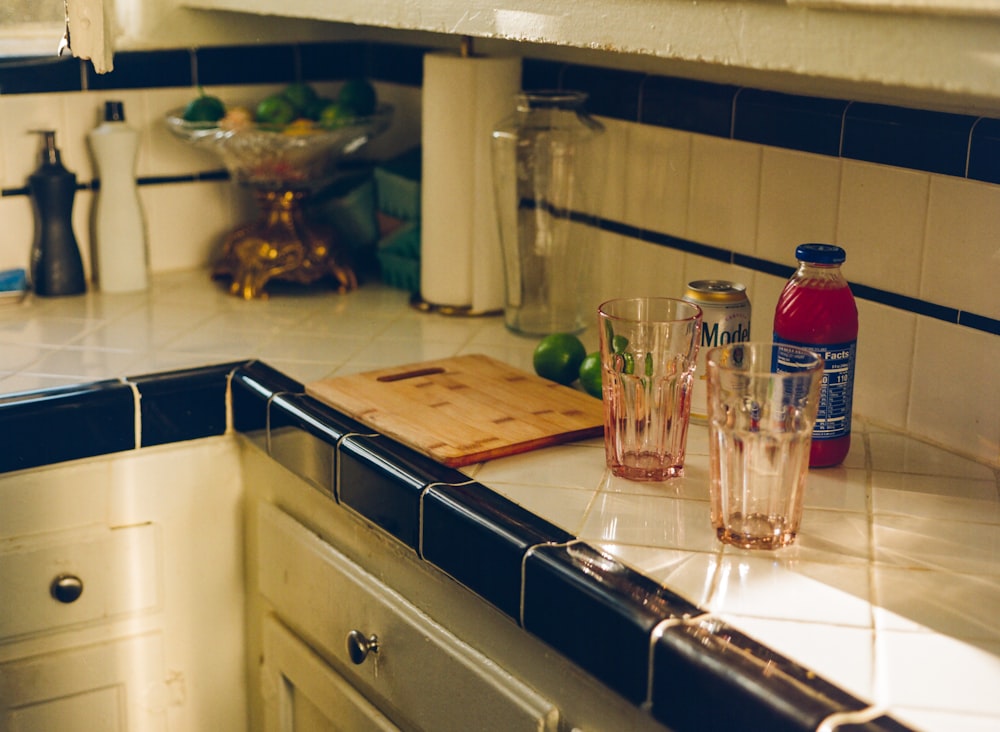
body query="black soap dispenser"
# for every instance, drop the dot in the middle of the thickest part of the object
(56, 266)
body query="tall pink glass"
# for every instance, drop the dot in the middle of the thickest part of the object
(649, 347)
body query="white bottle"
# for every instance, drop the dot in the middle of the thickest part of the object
(119, 227)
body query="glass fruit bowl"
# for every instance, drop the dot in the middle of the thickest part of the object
(299, 156)
(283, 167)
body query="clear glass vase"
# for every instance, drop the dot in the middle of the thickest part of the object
(547, 170)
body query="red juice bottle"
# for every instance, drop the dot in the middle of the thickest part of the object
(816, 310)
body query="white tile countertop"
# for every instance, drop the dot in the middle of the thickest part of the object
(892, 590)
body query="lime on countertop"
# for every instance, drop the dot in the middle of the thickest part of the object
(591, 378)
(558, 356)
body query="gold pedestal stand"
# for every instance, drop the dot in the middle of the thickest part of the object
(282, 167)
(282, 245)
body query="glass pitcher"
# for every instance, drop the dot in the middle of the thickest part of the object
(547, 170)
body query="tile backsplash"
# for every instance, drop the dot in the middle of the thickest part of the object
(703, 180)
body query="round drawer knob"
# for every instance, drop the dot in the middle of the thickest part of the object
(358, 646)
(66, 588)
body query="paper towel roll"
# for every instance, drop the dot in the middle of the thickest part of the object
(463, 98)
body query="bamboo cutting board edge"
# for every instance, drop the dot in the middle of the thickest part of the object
(438, 412)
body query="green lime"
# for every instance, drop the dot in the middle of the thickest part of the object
(619, 343)
(274, 111)
(301, 95)
(204, 109)
(558, 357)
(357, 96)
(591, 378)
(334, 116)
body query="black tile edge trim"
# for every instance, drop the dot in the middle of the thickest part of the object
(979, 322)
(705, 658)
(275, 63)
(691, 106)
(598, 613)
(150, 180)
(936, 142)
(41, 75)
(302, 436)
(904, 302)
(383, 481)
(66, 423)
(479, 538)
(251, 387)
(182, 405)
(144, 70)
(312, 415)
(789, 121)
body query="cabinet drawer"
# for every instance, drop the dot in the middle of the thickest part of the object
(117, 569)
(301, 692)
(421, 675)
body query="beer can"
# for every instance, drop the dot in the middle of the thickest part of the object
(725, 311)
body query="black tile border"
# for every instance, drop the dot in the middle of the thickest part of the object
(480, 539)
(763, 690)
(598, 613)
(182, 405)
(66, 423)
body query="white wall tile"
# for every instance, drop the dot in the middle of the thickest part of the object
(658, 179)
(954, 398)
(884, 363)
(21, 113)
(881, 225)
(187, 223)
(764, 293)
(798, 202)
(962, 252)
(725, 182)
(604, 167)
(18, 231)
(651, 270)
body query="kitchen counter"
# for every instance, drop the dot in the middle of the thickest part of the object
(891, 593)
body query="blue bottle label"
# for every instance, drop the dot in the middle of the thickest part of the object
(833, 418)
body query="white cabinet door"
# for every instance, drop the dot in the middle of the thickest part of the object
(421, 675)
(112, 687)
(303, 694)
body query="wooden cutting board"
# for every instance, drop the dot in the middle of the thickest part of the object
(465, 409)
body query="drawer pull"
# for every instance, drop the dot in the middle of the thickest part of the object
(66, 588)
(358, 646)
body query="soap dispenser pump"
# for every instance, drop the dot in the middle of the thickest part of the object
(56, 267)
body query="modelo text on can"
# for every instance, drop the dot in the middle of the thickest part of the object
(725, 311)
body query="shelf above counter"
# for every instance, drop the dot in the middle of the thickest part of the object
(916, 52)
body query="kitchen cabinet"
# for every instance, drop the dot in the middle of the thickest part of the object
(122, 593)
(394, 654)
(348, 629)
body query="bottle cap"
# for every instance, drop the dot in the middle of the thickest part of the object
(820, 254)
(114, 112)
